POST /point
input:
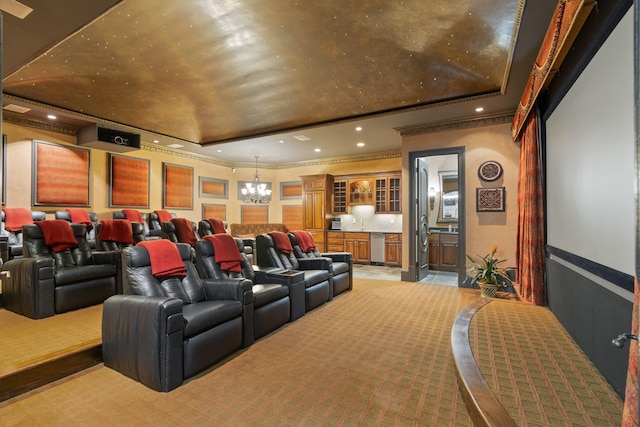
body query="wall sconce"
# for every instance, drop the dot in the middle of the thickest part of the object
(432, 197)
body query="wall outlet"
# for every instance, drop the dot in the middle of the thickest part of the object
(354, 221)
(393, 220)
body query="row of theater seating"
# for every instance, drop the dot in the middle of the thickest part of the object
(11, 241)
(161, 331)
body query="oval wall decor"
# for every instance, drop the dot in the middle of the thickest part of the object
(490, 171)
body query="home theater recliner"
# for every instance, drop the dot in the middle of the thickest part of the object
(166, 329)
(45, 282)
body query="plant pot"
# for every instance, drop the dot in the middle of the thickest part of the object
(488, 289)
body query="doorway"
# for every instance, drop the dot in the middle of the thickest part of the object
(437, 219)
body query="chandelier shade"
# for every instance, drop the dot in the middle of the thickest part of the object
(256, 192)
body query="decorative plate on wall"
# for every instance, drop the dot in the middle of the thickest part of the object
(490, 171)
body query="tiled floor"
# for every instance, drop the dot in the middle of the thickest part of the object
(393, 273)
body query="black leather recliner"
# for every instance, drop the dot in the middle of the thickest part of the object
(43, 283)
(277, 298)
(11, 241)
(137, 232)
(341, 266)
(91, 231)
(317, 276)
(146, 231)
(205, 229)
(169, 329)
(155, 226)
(169, 232)
(111, 245)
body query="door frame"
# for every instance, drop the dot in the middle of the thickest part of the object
(413, 207)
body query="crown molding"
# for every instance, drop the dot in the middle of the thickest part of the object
(50, 126)
(448, 126)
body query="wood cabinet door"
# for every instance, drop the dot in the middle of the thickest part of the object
(392, 253)
(314, 210)
(363, 251)
(449, 254)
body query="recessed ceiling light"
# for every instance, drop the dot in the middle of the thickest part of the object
(358, 128)
(175, 145)
(479, 109)
(16, 108)
(302, 138)
(360, 144)
(219, 150)
(156, 141)
(317, 150)
(51, 117)
(281, 142)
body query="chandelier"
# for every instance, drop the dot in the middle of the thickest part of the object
(256, 191)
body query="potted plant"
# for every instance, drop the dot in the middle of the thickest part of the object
(486, 272)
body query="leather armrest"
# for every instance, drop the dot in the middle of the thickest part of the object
(106, 257)
(277, 275)
(294, 280)
(233, 289)
(316, 264)
(142, 338)
(4, 248)
(338, 256)
(29, 287)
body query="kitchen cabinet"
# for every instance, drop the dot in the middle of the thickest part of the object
(443, 251)
(355, 243)
(335, 241)
(316, 202)
(340, 202)
(359, 246)
(361, 191)
(387, 194)
(393, 249)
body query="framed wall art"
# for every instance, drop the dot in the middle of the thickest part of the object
(61, 175)
(290, 190)
(214, 211)
(490, 199)
(213, 188)
(177, 186)
(128, 182)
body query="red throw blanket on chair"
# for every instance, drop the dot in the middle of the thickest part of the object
(80, 216)
(163, 215)
(281, 241)
(305, 240)
(15, 218)
(217, 225)
(165, 258)
(184, 231)
(116, 230)
(226, 252)
(57, 234)
(133, 215)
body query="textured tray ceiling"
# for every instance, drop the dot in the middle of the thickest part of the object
(212, 71)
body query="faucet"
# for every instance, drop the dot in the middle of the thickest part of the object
(362, 224)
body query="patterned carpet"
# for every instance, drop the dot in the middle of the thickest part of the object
(379, 355)
(537, 371)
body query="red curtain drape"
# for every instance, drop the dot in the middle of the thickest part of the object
(530, 249)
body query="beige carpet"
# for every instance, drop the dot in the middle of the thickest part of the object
(25, 341)
(379, 355)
